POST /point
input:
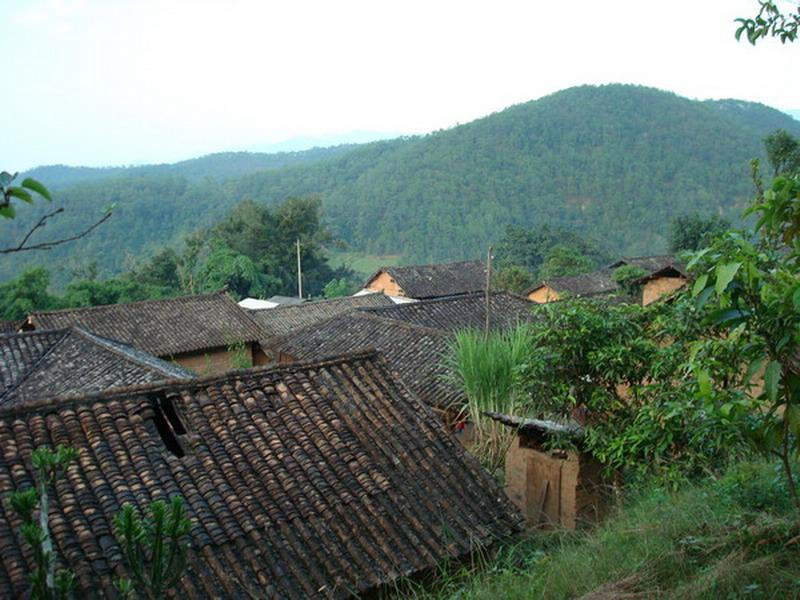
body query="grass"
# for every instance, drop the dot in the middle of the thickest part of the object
(363, 264)
(737, 536)
(485, 369)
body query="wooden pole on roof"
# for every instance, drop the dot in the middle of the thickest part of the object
(488, 288)
(299, 273)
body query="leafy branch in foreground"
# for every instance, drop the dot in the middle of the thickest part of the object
(153, 548)
(770, 21)
(46, 583)
(26, 191)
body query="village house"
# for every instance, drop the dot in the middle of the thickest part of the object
(553, 487)
(328, 479)
(664, 275)
(206, 333)
(417, 355)
(428, 281)
(62, 362)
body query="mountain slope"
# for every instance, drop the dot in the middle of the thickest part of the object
(615, 162)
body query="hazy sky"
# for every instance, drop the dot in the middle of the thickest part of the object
(116, 82)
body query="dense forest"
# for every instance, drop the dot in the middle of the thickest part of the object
(618, 162)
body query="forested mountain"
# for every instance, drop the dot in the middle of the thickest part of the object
(218, 166)
(615, 162)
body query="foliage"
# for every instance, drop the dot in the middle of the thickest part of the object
(224, 268)
(46, 583)
(153, 547)
(485, 368)
(627, 276)
(512, 279)
(241, 357)
(566, 251)
(783, 152)
(26, 293)
(336, 288)
(770, 22)
(693, 232)
(26, 191)
(563, 261)
(748, 290)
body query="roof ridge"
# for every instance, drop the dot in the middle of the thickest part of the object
(161, 386)
(223, 293)
(101, 341)
(312, 303)
(28, 372)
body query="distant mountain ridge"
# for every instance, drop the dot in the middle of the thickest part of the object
(614, 162)
(219, 166)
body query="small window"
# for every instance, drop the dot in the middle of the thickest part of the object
(163, 419)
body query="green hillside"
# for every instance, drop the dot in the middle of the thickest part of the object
(617, 162)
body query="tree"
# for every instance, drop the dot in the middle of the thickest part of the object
(693, 231)
(748, 289)
(25, 294)
(26, 192)
(563, 261)
(46, 583)
(783, 152)
(512, 279)
(770, 22)
(336, 288)
(627, 276)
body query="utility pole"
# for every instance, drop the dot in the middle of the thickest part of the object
(488, 287)
(299, 273)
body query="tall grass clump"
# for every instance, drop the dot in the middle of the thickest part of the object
(485, 368)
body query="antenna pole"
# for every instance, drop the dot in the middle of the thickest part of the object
(299, 273)
(488, 287)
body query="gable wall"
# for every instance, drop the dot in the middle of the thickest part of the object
(385, 284)
(543, 295)
(656, 288)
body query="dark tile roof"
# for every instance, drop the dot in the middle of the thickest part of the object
(71, 361)
(290, 300)
(10, 326)
(318, 480)
(596, 283)
(462, 312)
(417, 354)
(444, 279)
(162, 327)
(652, 264)
(285, 319)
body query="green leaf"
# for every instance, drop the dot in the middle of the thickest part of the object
(792, 416)
(37, 187)
(796, 299)
(18, 192)
(699, 285)
(704, 383)
(754, 368)
(7, 211)
(696, 258)
(6, 178)
(703, 297)
(725, 274)
(772, 378)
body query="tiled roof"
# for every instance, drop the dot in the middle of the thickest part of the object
(71, 361)
(319, 480)
(652, 264)
(417, 354)
(161, 327)
(285, 319)
(588, 284)
(10, 326)
(444, 279)
(462, 312)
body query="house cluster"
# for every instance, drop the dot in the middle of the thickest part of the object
(325, 469)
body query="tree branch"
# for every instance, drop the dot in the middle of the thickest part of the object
(21, 247)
